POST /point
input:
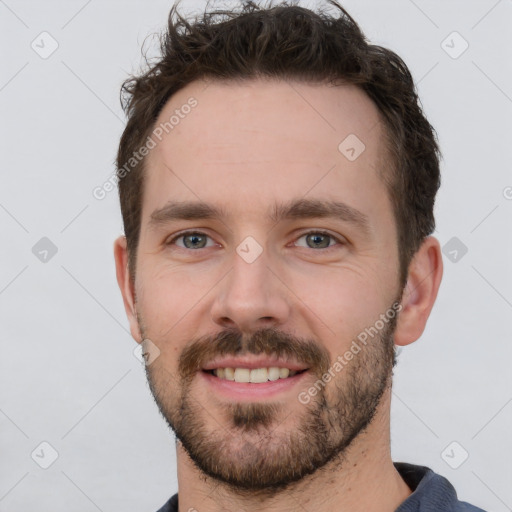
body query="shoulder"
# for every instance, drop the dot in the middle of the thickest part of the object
(431, 492)
(171, 505)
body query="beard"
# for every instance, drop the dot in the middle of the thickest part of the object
(246, 450)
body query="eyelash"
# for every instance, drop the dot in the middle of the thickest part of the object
(313, 232)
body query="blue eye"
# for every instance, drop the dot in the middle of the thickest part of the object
(191, 240)
(197, 240)
(318, 240)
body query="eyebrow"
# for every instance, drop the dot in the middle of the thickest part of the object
(294, 209)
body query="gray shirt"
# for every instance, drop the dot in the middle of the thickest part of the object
(431, 492)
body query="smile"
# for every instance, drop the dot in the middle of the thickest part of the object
(254, 375)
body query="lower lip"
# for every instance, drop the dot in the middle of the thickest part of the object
(250, 390)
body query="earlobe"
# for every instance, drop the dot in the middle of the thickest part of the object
(424, 279)
(126, 286)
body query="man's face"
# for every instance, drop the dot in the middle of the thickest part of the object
(272, 282)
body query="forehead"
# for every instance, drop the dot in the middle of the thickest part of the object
(262, 111)
(261, 138)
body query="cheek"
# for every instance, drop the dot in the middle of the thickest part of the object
(166, 302)
(340, 304)
(168, 293)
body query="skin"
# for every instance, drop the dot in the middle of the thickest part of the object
(244, 147)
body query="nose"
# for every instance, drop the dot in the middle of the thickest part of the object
(251, 296)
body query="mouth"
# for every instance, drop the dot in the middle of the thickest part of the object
(254, 375)
(252, 379)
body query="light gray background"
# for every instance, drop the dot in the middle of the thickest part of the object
(68, 373)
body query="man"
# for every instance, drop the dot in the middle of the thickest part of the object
(277, 181)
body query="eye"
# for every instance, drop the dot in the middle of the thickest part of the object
(191, 240)
(319, 240)
(198, 240)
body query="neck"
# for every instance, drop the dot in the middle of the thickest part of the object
(364, 480)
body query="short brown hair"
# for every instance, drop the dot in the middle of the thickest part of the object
(288, 42)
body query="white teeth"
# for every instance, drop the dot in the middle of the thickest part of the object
(259, 375)
(242, 375)
(256, 375)
(283, 373)
(273, 373)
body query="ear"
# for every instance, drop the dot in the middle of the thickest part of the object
(420, 292)
(126, 286)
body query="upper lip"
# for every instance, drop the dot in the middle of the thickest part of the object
(252, 362)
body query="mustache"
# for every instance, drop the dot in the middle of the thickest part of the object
(268, 341)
